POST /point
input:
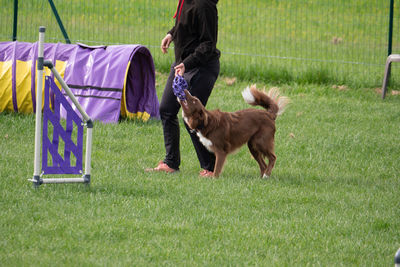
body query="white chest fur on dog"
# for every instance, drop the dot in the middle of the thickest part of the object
(206, 142)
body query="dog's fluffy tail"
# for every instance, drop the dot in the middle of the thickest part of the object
(271, 101)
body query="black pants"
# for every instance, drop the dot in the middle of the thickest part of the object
(201, 82)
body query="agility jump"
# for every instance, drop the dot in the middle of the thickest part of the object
(59, 164)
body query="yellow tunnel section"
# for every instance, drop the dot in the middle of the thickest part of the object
(23, 85)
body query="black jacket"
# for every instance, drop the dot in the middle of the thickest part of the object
(195, 33)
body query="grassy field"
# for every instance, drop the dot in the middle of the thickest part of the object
(332, 199)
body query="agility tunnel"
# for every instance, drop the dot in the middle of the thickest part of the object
(109, 82)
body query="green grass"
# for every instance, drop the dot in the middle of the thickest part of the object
(332, 199)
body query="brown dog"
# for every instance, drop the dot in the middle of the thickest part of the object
(224, 132)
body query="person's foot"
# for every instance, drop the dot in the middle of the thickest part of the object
(161, 167)
(206, 173)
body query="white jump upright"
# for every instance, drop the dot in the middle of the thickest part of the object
(38, 123)
(87, 122)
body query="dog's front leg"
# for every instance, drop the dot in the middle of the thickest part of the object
(220, 158)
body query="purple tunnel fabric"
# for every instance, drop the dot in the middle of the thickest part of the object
(96, 75)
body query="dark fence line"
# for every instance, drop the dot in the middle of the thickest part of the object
(323, 41)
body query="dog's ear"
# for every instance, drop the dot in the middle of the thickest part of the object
(204, 117)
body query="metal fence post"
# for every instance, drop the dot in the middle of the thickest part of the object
(390, 37)
(390, 28)
(15, 20)
(59, 21)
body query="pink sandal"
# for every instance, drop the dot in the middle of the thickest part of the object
(161, 167)
(206, 173)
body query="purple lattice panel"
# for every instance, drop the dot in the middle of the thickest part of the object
(60, 164)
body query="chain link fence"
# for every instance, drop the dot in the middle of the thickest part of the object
(323, 41)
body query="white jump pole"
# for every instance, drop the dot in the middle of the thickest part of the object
(88, 156)
(38, 124)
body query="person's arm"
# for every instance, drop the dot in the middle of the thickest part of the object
(165, 43)
(172, 32)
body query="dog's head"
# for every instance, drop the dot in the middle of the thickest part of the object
(193, 112)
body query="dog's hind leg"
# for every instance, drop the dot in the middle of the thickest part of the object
(258, 156)
(220, 158)
(270, 154)
(266, 147)
(271, 163)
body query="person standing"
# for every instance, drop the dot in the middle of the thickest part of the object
(194, 36)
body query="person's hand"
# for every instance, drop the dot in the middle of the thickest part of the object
(179, 69)
(165, 43)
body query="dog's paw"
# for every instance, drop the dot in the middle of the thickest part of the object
(265, 176)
